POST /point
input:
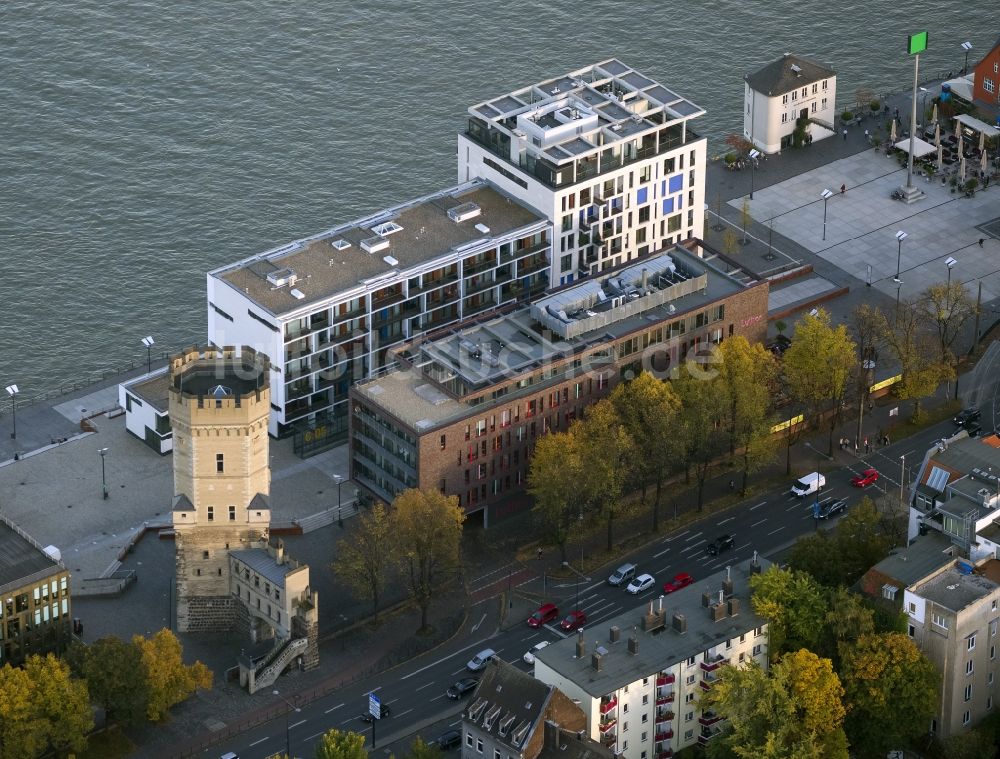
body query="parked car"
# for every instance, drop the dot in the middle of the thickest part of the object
(529, 657)
(779, 345)
(574, 620)
(681, 580)
(640, 583)
(866, 478)
(543, 615)
(463, 687)
(449, 739)
(808, 484)
(967, 415)
(975, 429)
(829, 507)
(720, 544)
(478, 661)
(622, 575)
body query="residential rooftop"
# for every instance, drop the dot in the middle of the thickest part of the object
(152, 389)
(515, 700)
(788, 73)
(954, 590)
(967, 466)
(663, 647)
(353, 257)
(528, 341)
(264, 563)
(926, 554)
(22, 560)
(587, 111)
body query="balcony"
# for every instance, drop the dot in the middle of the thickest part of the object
(706, 735)
(478, 265)
(664, 717)
(666, 754)
(712, 663)
(709, 718)
(665, 680)
(664, 735)
(608, 704)
(433, 284)
(484, 283)
(607, 726)
(709, 680)
(609, 740)
(485, 304)
(531, 265)
(665, 698)
(386, 300)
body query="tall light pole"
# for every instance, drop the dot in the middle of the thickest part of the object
(902, 477)
(148, 342)
(754, 153)
(826, 195)
(950, 262)
(288, 749)
(966, 46)
(900, 236)
(104, 479)
(12, 392)
(340, 515)
(916, 44)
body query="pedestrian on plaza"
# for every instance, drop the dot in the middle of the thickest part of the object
(855, 446)
(732, 484)
(868, 137)
(896, 113)
(843, 189)
(539, 554)
(887, 440)
(845, 134)
(871, 405)
(981, 241)
(868, 447)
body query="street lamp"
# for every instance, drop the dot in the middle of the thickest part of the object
(826, 195)
(902, 477)
(12, 392)
(966, 46)
(950, 262)
(754, 153)
(900, 236)
(288, 749)
(104, 480)
(340, 516)
(148, 342)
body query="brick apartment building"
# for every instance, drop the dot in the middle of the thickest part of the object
(463, 409)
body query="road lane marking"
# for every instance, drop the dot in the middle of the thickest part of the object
(658, 555)
(479, 623)
(314, 735)
(674, 537)
(300, 722)
(758, 505)
(479, 645)
(730, 519)
(260, 741)
(398, 715)
(760, 522)
(794, 506)
(332, 708)
(428, 685)
(686, 540)
(776, 531)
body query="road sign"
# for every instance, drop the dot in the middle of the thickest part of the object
(374, 706)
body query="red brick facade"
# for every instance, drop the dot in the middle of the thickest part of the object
(986, 90)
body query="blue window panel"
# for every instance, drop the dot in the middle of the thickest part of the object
(668, 205)
(642, 196)
(663, 187)
(680, 202)
(676, 183)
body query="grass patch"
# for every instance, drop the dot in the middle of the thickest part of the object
(108, 744)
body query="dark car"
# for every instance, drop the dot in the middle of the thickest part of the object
(779, 345)
(449, 739)
(975, 429)
(967, 415)
(462, 688)
(828, 508)
(720, 544)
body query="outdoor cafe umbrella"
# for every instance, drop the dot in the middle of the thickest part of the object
(934, 114)
(892, 131)
(961, 170)
(982, 141)
(960, 148)
(937, 135)
(940, 161)
(984, 164)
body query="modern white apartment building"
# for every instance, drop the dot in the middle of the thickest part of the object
(604, 152)
(782, 92)
(326, 309)
(638, 680)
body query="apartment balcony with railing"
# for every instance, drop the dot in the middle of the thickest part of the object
(664, 735)
(707, 734)
(709, 718)
(477, 304)
(662, 680)
(531, 265)
(609, 740)
(608, 703)
(478, 264)
(432, 283)
(664, 696)
(478, 284)
(664, 716)
(386, 299)
(523, 251)
(665, 754)
(710, 663)
(708, 680)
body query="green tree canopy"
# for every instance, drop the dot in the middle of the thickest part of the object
(891, 692)
(554, 482)
(793, 604)
(363, 562)
(116, 679)
(334, 744)
(428, 527)
(793, 712)
(170, 680)
(420, 749)
(699, 432)
(944, 309)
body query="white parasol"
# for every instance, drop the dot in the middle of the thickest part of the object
(961, 170)
(892, 131)
(940, 161)
(982, 141)
(934, 114)
(960, 148)
(937, 135)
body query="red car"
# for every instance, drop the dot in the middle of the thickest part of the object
(546, 613)
(574, 621)
(866, 478)
(680, 581)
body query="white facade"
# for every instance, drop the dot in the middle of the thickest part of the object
(606, 154)
(777, 95)
(144, 418)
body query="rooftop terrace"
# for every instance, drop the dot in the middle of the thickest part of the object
(954, 590)
(354, 256)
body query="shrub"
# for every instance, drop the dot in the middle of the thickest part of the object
(731, 158)
(875, 106)
(846, 116)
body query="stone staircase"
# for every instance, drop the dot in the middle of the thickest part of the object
(267, 672)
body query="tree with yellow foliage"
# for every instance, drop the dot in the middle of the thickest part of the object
(170, 679)
(363, 562)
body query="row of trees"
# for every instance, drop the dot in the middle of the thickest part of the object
(46, 704)
(418, 540)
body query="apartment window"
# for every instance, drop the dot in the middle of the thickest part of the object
(219, 463)
(970, 642)
(913, 608)
(969, 667)
(889, 592)
(823, 104)
(645, 737)
(211, 514)
(968, 692)
(232, 513)
(815, 87)
(204, 554)
(690, 679)
(567, 222)
(444, 442)
(689, 698)
(756, 650)
(988, 85)
(812, 107)
(496, 753)
(795, 94)
(742, 657)
(989, 703)
(911, 630)
(625, 725)
(939, 621)
(689, 716)
(993, 652)
(479, 745)
(625, 709)
(824, 84)
(966, 717)
(784, 118)
(468, 740)
(758, 631)
(688, 735)
(784, 99)
(645, 717)
(624, 746)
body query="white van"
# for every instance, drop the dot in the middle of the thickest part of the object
(623, 575)
(810, 483)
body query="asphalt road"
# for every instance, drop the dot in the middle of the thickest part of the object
(415, 692)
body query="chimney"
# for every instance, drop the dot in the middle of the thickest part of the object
(633, 643)
(645, 280)
(279, 553)
(754, 565)
(717, 612)
(706, 598)
(551, 735)
(595, 661)
(615, 635)
(680, 623)
(581, 647)
(734, 606)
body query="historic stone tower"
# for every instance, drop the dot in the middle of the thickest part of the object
(219, 405)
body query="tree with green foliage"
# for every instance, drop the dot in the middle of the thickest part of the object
(116, 678)
(607, 455)
(891, 692)
(364, 561)
(335, 744)
(42, 708)
(554, 475)
(420, 749)
(818, 366)
(849, 616)
(428, 526)
(795, 711)
(649, 408)
(748, 376)
(699, 431)
(794, 606)
(170, 680)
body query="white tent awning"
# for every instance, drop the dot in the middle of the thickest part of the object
(920, 148)
(977, 125)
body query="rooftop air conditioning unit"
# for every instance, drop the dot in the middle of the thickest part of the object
(466, 211)
(374, 244)
(282, 277)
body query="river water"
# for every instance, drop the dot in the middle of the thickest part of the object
(146, 143)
